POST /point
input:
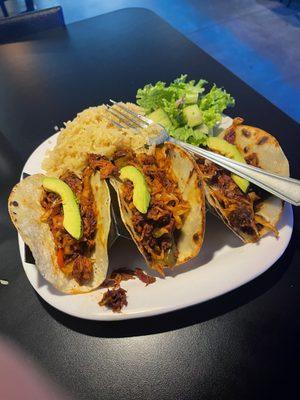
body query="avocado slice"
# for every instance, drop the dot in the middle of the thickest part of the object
(242, 183)
(141, 194)
(231, 151)
(72, 218)
(160, 117)
(192, 115)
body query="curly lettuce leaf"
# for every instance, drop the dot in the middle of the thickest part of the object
(213, 104)
(180, 93)
(173, 112)
(182, 87)
(189, 135)
(169, 98)
(150, 98)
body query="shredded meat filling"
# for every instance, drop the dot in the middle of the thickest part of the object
(143, 277)
(126, 274)
(236, 205)
(73, 256)
(73, 181)
(158, 229)
(82, 269)
(102, 164)
(115, 299)
(241, 217)
(239, 208)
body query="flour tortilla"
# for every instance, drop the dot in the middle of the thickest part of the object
(26, 211)
(190, 185)
(256, 142)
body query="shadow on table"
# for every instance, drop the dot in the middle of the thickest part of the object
(10, 169)
(10, 165)
(181, 318)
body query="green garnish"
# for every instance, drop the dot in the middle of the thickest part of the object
(180, 95)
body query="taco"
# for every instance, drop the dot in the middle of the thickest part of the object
(252, 212)
(72, 261)
(161, 202)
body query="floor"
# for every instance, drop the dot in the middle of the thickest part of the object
(258, 40)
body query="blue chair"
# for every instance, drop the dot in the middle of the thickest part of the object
(18, 27)
(3, 8)
(29, 6)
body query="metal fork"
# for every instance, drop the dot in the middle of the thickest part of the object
(285, 188)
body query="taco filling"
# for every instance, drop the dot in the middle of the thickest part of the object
(237, 208)
(73, 256)
(157, 230)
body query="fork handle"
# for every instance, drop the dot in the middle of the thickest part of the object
(285, 188)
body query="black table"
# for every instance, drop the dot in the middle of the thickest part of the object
(243, 345)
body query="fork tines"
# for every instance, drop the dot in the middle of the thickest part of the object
(126, 117)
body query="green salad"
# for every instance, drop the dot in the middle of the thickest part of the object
(185, 108)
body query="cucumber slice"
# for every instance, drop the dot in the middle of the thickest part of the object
(192, 115)
(160, 117)
(191, 98)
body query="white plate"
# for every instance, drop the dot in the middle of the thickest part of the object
(224, 263)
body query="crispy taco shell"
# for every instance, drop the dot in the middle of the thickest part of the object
(262, 150)
(26, 212)
(191, 235)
